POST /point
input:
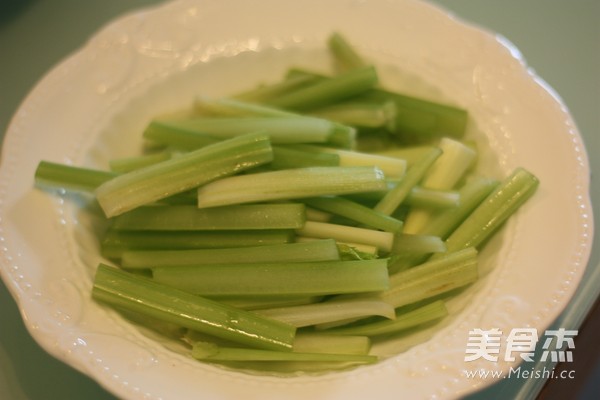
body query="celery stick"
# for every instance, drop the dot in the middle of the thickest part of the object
(444, 174)
(266, 92)
(237, 217)
(392, 167)
(504, 201)
(287, 157)
(311, 342)
(226, 107)
(381, 240)
(432, 278)
(287, 129)
(49, 175)
(345, 56)
(290, 184)
(138, 294)
(264, 302)
(155, 182)
(321, 250)
(276, 279)
(177, 136)
(312, 214)
(356, 212)
(370, 115)
(328, 91)
(420, 244)
(328, 311)
(211, 352)
(123, 165)
(404, 320)
(115, 243)
(432, 199)
(390, 202)
(411, 154)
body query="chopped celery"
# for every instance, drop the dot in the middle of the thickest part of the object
(155, 182)
(288, 157)
(276, 279)
(59, 176)
(263, 302)
(225, 107)
(177, 136)
(419, 244)
(142, 295)
(266, 92)
(432, 199)
(346, 57)
(236, 217)
(403, 321)
(381, 240)
(122, 165)
(370, 115)
(320, 250)
(290, 184)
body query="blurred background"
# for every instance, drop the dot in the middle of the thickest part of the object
(560, 41)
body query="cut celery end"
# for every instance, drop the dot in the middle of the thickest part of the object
(345, 56)
(504, 201)
(211, 352)
(236, 217)
(370, 115)
(158, 181)
(321, 250)
(287, 157)
(264, 302)
(115, 243)
(403, 321)
(50, 175)
(276, 279)
(290, 184)
(328, 90)
(417, 244)
(329, 311)
(348, 234)
(432, 199)
(356, 212)
(392, 200)
(138, 294)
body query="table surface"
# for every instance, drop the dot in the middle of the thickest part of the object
(560, 40)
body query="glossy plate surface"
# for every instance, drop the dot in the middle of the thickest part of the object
(92, 107)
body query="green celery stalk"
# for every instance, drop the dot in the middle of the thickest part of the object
(227, 107)
(392, 200)
(433, 199)
(138, 294)
(355, 211)
(155, 182)
(348, 234)
(345, 56)
(236, 217)
(276, 279)
(312, 342)
(321, 250)
(122, 165)
(115, 243)
(50, 175)
(183, 138)
(290, 184)
(288, 157)
(403, 321)
(267, 92)
(365, 114)
(262, 302)
(327, 91)
(420, 244)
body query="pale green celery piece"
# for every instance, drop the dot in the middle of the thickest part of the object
(177, 136)
(471, 194)
(355, 211)
(127, 291)
(211, 352)
(417, 244)
(235, 217)
(344, 54)
(328, 90)
(403, 321)
(411, 154)
(321, 250)
(500, 204)
(290, 184)
(228, 107)
(348, 234)
(280, 129)
(348, 251)
(365, 114)
(451, 271)
(115, 243)
(268, 91)
(122, 165)
(314, 342)
(259, 303)
(277, 279)
(392, 167)
(312, 214)
(444, 174)
(392, 200)
(50, 175)
(155, 182)
(432, 199)
(329, 311)
(288, 157)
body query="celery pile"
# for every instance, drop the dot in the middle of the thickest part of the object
(263, 231)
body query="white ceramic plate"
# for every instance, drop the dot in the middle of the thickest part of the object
(93, 106)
